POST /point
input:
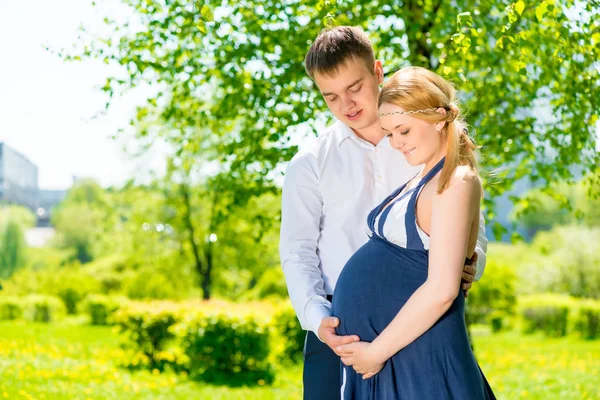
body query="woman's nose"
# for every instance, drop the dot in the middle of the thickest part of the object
(396, 142)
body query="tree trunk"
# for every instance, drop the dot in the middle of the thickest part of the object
(207, 277)
(201, 269)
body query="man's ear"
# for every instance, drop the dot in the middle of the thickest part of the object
(378, 71)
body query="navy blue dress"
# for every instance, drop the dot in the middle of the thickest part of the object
(373, 286)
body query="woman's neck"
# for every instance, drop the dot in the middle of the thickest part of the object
(433, 162)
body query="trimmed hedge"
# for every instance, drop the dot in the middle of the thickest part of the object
(493, 300)
(289, 334)
(148, 333)
(587, 319)
(42, 308)
(548, 313)
(101, 308)
(212, 341)
(227, 349)
(11, 308)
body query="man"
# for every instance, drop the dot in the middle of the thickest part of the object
(328, 191)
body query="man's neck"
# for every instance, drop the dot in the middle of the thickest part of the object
(372, 134)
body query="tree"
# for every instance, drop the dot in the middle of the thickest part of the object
(19, 214)
(561, 204)
(208, 214)
(232, 71)
(12, 248)
(82, 218)
(14, 220)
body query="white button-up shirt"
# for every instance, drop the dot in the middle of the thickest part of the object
(328, 192)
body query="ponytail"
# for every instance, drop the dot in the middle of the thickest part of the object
(460, 148)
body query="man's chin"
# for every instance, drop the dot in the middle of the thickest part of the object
(360, 125)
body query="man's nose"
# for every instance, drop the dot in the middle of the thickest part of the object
(347, 103)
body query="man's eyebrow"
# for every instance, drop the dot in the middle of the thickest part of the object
(347, 87)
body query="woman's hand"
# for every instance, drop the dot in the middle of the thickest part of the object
(362, 358)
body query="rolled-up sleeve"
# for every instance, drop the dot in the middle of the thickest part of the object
(481, 248)
(301, 211)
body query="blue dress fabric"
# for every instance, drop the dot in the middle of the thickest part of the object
(374, 285)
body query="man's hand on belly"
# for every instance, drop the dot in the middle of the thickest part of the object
(327, 334)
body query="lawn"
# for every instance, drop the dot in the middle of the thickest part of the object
(74, 361)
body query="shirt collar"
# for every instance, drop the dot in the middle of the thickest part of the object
(345, 132)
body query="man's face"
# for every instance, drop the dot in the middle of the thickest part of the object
(351, 93)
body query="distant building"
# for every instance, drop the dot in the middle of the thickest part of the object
(18, 178)
(19, 185)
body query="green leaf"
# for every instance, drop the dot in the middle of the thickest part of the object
(329, 20)
(519, 7)
(206, 13)
(464, 18)
(541, 10)
(500, 42)
(201, 25)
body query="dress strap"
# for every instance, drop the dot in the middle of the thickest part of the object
(375, 212)
(437, 168)
(413, 239)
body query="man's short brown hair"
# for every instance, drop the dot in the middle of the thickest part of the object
(335, 46)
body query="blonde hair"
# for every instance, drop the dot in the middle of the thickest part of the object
(418, 89)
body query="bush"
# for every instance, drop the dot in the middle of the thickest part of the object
(70, 283)
(493, 300)
(289, 334)
(498, 321)
(39, 258)
(587, 319)
(10, 308)
(571, 252)
(41, 308)
(271, 284)
(147, 328)
(227, 349)
(548, 313)
(101, 308)
(152, 283)
(111, 271)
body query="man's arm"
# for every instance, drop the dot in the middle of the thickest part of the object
(481, 248)
(301, 210)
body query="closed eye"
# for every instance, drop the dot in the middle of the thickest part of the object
(401, 133)
(356, 90)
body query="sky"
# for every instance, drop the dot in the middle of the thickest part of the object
(47, 105)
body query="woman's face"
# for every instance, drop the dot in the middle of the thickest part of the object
(420, 141)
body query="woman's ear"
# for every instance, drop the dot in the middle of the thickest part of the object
(440, 125)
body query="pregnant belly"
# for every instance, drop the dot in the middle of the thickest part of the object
(374, 285)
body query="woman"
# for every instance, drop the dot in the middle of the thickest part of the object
(400, 291)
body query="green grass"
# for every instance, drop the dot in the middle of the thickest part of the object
(534, 367)
(74, 361)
